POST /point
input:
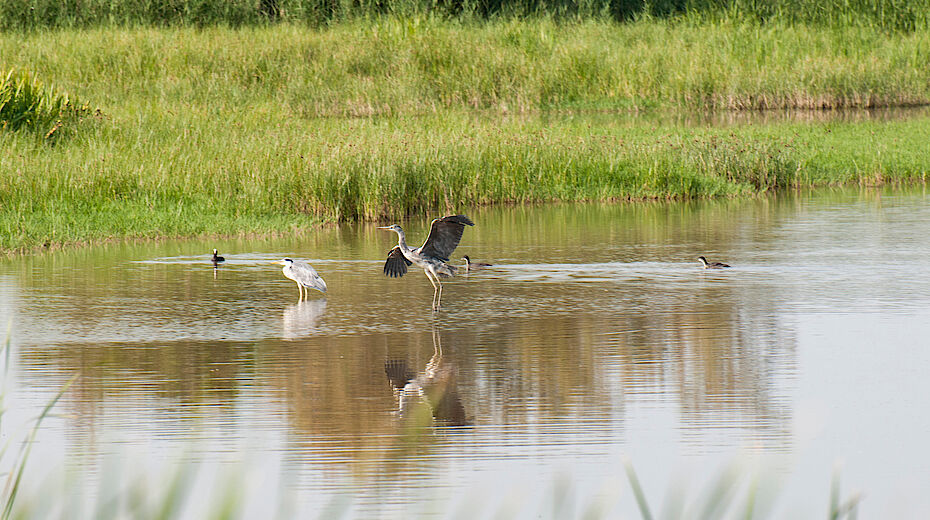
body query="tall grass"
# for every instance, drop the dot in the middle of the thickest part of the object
(392, 66)
(236, 174)
(888, 15)
(722, 499)
(17, 467)
(262, 129)
(26, 103)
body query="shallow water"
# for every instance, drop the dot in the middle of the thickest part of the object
(595, 337)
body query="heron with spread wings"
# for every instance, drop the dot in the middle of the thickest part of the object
(444, 236)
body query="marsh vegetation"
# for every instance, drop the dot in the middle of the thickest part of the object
(241, 127)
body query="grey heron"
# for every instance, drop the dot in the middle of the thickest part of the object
(444, 236)
(473, 266)
(217, 259)
(714, 265)
(305, 276)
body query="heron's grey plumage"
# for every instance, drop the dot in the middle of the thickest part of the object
(303, 274)
(444, 236)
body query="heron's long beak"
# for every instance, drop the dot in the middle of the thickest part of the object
(278, 262)
(384, 227)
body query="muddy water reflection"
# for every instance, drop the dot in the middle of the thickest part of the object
(433, 390)
(596, 333)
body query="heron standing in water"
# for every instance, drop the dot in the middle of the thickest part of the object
(305, 276)
(444, 236)
(708, 265)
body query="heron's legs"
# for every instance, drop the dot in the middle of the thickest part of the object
(300, 293)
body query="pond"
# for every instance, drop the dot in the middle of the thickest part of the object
(594, 339)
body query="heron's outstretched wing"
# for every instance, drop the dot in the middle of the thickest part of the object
(444, 236)
(396, 264)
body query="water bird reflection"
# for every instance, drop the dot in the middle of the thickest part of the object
(434, 388)
(714, 265)
(301, 319)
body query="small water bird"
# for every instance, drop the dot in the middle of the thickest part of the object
(473, 266)
(217, 259)
(444, 236)
(715, 265)
(305, 276)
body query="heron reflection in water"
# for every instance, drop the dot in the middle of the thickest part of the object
(434, 387)
(301, 319)
(444, 236)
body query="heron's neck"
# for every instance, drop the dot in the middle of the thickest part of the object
(402, 240)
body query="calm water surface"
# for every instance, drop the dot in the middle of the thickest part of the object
(594, 338)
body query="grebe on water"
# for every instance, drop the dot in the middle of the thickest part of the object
(473, 266)
(715, 265)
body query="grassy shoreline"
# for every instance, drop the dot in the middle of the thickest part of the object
(221, 131)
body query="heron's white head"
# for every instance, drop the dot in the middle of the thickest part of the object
(397, 229)
(285, 262)
(393, 227)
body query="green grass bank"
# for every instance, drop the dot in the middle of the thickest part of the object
(887, 15)
(271, 128)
